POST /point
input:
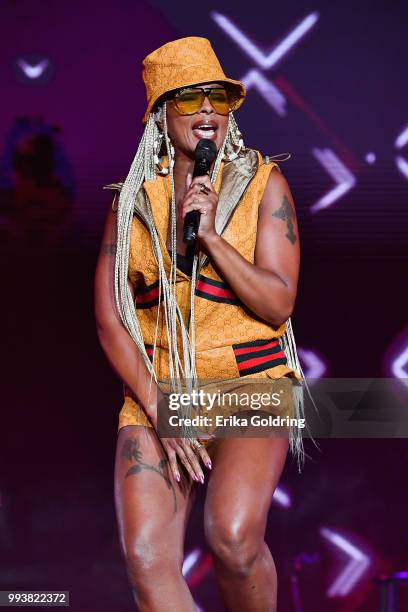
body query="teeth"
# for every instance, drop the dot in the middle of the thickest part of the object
(208, 132)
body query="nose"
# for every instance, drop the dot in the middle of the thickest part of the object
(206, 106)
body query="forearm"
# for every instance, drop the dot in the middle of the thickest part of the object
(262, 291)
(126, 360)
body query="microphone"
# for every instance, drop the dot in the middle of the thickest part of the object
(204, 155)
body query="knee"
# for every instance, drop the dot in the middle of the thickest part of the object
(141, 560)
(234, 545)
(146, 557)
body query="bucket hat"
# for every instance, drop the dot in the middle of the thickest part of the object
(182, 63)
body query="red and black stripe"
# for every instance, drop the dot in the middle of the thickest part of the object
(214, 290)
(259, 355)
(149, 350)
(148, 296)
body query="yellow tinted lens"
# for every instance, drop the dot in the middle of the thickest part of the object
(219, 101)
(223, 101)
(235, 100)
(189, 102)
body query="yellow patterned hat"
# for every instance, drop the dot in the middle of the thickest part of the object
(182, 63)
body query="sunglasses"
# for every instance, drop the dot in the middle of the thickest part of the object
(189, 101)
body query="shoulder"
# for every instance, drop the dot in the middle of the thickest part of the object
(268, 172)
(269, 177)
(276, 187)
(271, 161)
(268, 163)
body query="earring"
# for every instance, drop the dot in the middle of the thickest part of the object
(162, 170)
(234, 143)
(171, 164)
(157, 145)
(163, 136)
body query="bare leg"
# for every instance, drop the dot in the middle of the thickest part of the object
(244, 477)
(152, 511)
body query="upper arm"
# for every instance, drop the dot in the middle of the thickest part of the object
(277, 244)
(105, 305)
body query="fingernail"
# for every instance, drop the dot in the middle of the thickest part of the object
(202, 479)
(178, 477)
(209, 465)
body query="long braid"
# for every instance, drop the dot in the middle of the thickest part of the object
(144, 168)
(214, 175)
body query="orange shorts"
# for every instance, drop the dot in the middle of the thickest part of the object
(132, 413)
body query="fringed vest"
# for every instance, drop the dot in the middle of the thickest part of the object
(231, 341)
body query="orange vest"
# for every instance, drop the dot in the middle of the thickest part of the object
(231, 342)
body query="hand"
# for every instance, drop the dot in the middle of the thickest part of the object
(188, 455)
(200, 195)
(179, 447)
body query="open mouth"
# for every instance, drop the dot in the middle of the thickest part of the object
(205, 129)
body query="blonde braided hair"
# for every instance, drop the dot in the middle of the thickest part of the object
(144, 168)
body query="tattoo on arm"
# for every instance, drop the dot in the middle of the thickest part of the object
(131, 451)
(286, 213)
(109, 248)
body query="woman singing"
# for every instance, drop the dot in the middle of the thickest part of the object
(219, 309)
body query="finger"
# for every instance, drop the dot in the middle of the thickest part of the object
(192, 457)
(200, 188)
(193, 205)
(194, 197)
(173, 464)
(205, 457)
(202, 209)
(184, 460)
(205, 179)
(189, 178)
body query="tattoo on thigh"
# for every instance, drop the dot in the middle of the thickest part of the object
(132, 452)
(286, 213)
(109, 248)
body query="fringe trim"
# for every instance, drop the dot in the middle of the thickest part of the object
(295, 436)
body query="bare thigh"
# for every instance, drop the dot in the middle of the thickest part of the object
(245, 475)
(151, 507)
